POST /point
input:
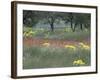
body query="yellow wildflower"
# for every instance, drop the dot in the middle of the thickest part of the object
(70, 46)
(46, 44)
(84, 46)
(81, 43)
(74, 62)
(26, 34)
(78, 62)
(32, 32)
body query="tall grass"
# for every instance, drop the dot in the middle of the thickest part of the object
(45, 57)
(60, 33)
(48, 57)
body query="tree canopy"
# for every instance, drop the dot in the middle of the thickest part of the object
(31, 18)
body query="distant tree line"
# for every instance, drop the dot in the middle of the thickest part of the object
(81, 20)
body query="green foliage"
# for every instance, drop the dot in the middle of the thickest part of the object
(31, 18)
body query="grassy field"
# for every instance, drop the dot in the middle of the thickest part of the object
(61, 48)
(59, 33)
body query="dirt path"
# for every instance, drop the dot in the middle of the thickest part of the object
(60, 43)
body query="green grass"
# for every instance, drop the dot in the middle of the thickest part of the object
(50, 57)
(63, 34)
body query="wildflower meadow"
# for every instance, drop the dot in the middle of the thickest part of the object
(57, 44)
(58, 52)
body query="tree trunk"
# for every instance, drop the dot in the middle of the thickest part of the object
(74, 27)
(71, 24)
(81, 27)
(52, 27)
